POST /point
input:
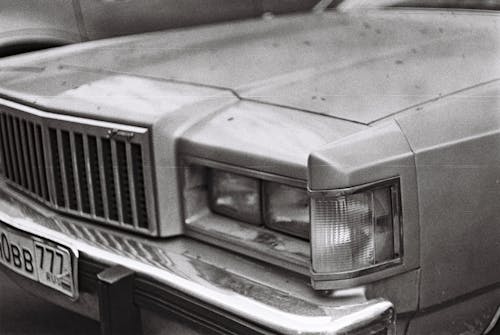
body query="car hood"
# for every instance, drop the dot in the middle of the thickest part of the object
(359, 67)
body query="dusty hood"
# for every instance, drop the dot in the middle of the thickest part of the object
(358, 67)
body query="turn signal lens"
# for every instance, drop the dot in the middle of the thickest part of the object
(235, 196)
(355, 231)
(286, 209)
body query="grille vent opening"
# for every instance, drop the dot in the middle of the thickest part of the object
(90, 174)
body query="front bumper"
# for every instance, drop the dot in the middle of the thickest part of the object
(181, 278)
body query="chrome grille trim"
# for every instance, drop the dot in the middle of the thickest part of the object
(80, 166)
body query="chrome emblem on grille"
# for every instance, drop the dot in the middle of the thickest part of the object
(116, 133)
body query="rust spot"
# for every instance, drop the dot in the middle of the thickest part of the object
(314, 97)
(366, 25)
(399, 62)
(441, 30)
(230, 118)
(378, 31)
(307, 43)
(323, 99)
(413, 50)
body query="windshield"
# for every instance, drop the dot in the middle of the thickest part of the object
(347, 5)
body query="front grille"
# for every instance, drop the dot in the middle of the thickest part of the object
(93, 169)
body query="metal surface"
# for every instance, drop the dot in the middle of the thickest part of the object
(65, 164)
(386, 154)
(260, 242)
(261, 299)
(359, 67)
(458, 189)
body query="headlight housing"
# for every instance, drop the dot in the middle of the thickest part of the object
(345, 236)
(248, 198)
(355, 231)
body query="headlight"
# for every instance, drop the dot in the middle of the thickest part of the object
(286, 209)
(355, 231)
(247, 199)
(235, 196)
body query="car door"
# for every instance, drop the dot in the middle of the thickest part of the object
(107, 18)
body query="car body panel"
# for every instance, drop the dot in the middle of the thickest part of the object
(31, 21)
(256, 59)
(243, 133)
(458, 184)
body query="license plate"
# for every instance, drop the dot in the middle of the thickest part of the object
(41, 260)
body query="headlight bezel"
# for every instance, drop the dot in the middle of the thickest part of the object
(286, 257)
(270, 246)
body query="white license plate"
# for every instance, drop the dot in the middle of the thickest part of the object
(39, 259)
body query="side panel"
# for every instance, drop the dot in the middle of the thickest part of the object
(457, 154)
(106, 18)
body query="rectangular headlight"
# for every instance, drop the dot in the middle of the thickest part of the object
(235, 196)
(286, 209)
(354, 231)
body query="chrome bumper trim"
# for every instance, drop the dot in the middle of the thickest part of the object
(166, 263)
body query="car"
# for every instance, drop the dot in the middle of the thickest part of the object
(28, 25)
(321, 173)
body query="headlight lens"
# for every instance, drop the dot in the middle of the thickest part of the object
(286, 209)
(355, 231)
(235, 196)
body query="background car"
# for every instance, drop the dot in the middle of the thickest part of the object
(27, 25)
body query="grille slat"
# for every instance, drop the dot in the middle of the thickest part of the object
(18, 152)
(123, 174)
(79, 167)
(88, 173)
(116, 181)
(97, 171)
(87, 169)
(40, 153)
(75, 175)
(30, 130)
(12, 150)
(142, 211)
(67, 169)
(131, 184)
(26, 159)
(105, 172)
(5, 147)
